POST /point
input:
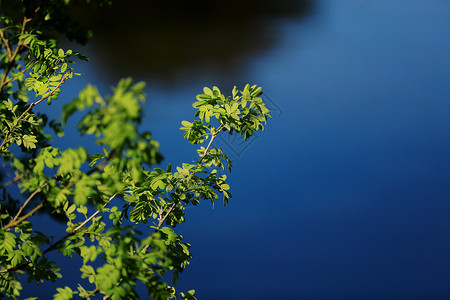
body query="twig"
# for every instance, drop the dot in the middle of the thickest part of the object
(174, 204)
(43, 98)
(28, 215)
(161, 221)
(53, 246)
(5, 41)
(5, 140)
(12, 78)
(27, 201)
(73, 231)
(18, 267)
(14, 222)
(12, 58)
(14, 180)
(96, 291)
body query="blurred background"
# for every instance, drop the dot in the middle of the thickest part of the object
(346, 195)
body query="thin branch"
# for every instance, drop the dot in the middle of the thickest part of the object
(53, 246)
(5, 41)
(15, 268)
(12, 58)
(8, 27)
(213, 136)
(12, 78)
(14, 180)
(73, 231)
(27, 201)
(94, 292)
(174, 204)
(15, 221)
(162, 220)
(5, 140)
(28, 215)
(43, 98)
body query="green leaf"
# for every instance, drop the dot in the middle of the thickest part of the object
(29, 141)
(208, 91)
(65, 293)
(82, 210)
(27, 40)
(202, 97)
(71, 209)
(186, 123)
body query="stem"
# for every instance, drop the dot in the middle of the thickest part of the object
(213, 136)
(161, 221)
(14, 180)
(53, 246)
(94, 292)
(12, 57)
(73, 231)
(26, 202)
(11, 78)
(28, 215)
(174, 204)
(5, 41)
(5, 140)
(14, 222)
(18, 267)
(42, 99)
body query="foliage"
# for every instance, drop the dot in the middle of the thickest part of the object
(102, 196)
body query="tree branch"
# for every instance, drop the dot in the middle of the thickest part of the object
(161, 221)
(73, 231)
(12, 58)
(14, 222)
(20, 220)
(94, 292)
(14, 180)
(53, 246)
(43, 98)
(12, 78)
(174, 204)
(5, 140)
(5, 41)
(27, 201)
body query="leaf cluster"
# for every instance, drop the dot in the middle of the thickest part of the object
(243, 112)
(119, 209)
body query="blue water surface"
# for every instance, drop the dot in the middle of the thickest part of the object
(346, 195)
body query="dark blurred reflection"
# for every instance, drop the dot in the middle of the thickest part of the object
(171, 41)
